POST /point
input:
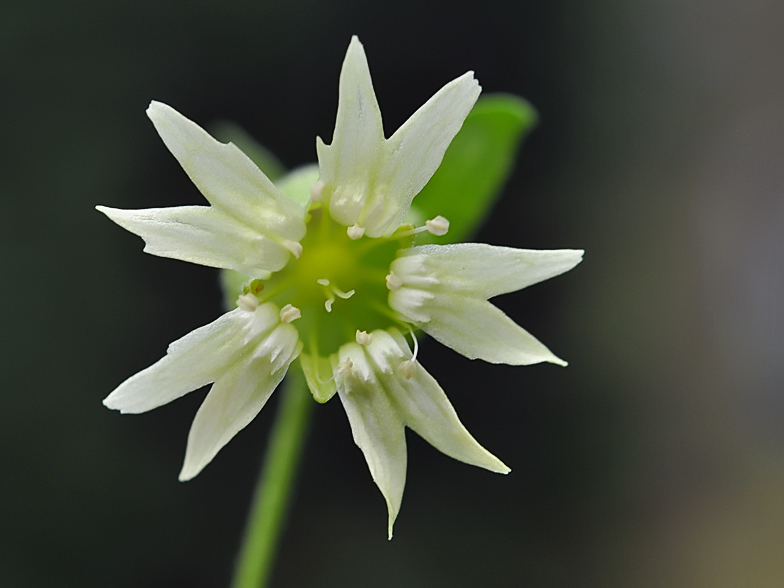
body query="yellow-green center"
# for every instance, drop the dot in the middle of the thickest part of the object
(331, 266)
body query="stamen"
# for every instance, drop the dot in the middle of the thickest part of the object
(355, 232)
(289, 313)
(416, 344)
(342, 294)
(393, 282)
(255, 286)
(248, 302)
(315, 191)
(333, 290)
(408, 369)
(294, 247)
(344, 368)
(437, 226)
(364, 338)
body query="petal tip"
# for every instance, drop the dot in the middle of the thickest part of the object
(188, 472)
(390, 526)
(113, 402)
(117, 404)
(107, 210)
(159, 113)
(356, 57)
(156, 108)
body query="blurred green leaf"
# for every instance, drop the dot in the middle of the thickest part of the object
(297, 183)
(229, 132)
(231, 283)
(475, 166)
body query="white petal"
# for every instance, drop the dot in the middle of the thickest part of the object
(279, 348)
(349, 164)
(376, 428)
(412, 155)
(371, 181)
(412, 303)
(380, 401)
(235, 400)
(479, 330)
(203, 235)
(227, 177)
(191, 362)
(425, 408)
(480, 270)
(422, 404)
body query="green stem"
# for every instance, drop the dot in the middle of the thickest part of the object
(273, 489)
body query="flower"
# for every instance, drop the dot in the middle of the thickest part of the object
(332, 279)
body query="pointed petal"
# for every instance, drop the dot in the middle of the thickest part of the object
(475, 328)
(481, 270)
(425, 408)
(376, 428)
(203, 235)
(371, 181)
(227, 177)
(318, 375)
(414, 152)
(237, 397)
(191, 362)
(349, 164)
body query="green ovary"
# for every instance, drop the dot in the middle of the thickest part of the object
(329, 254)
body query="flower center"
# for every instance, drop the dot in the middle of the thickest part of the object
(339, 284)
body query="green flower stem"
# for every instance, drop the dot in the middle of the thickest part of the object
(273, 489)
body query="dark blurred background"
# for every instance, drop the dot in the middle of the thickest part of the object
(655, 459)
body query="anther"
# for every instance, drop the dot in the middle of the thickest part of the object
(408, 368)
(289, 313)
(393, 282)
(255, 286)
(294, 247)
(355, 232)
(315, 191)
(344, 368)
(437, 226)
(248, 302)
(333, 291)
(342, 294)
(364, 338)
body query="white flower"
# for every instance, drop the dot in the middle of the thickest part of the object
(334, 284)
